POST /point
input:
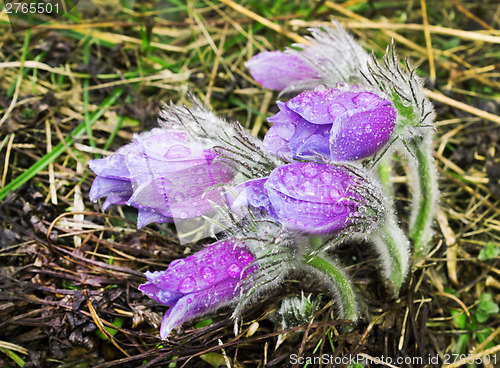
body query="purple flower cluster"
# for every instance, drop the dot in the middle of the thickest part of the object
(169, 174)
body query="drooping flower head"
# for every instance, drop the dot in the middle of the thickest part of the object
(331, 123)
(313, 198)
(331, 56)
(279, 70)
(164, 173)
(201, 283)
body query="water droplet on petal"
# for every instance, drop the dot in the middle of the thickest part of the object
(187, 285)
(307, 188)
(208, 274)
(189, 300)
(326, 177)
(179, 197)
(177, 151)
(342, 86)
(290, 178)
(234, 271)
(244, 257)
(183, 215)
(310, 171)
(321, 87)
(335, 110)
(165, 295)
(334, 193)
(366, 99)
(194, 191)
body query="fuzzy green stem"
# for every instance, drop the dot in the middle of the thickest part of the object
(425, 197)
(384, 173)
(393, 247)
(339, 279)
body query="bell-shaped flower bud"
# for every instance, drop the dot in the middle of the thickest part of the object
(331, 123)
(164, 173)
(201, 283)
(311, 197)
(279, 70)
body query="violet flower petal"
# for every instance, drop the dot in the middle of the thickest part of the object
(302, 142)
(102, 187)
(146, 196)
(203, 269)
(200, 283)
(316, 144)
(164, 297)
(115, 199)
(310, 217)
(147, 216)
(277, 70)
(197, 304)
(276, 144)
(317, 107)
(359, 135)
(114, 166)
(332, 124)
(176, 187)
(253, 195)
(312, 197)
(285, 116)
(163, 173)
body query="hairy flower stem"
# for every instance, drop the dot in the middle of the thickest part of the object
(334, 275)
(425, 195)
(384, 173)
(393, 247)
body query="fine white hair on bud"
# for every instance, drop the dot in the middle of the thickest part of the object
(296, 311)
(405, 88)
(336, 55)
(230, 140)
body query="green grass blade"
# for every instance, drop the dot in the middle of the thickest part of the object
(86, 83)
(16, 358)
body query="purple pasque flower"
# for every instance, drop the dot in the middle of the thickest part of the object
(199, 284)
(279, 70)
(164, 173)
(113, 178)
(331, 123)
(311, 197)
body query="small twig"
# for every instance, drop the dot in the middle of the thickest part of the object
(428, 42)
